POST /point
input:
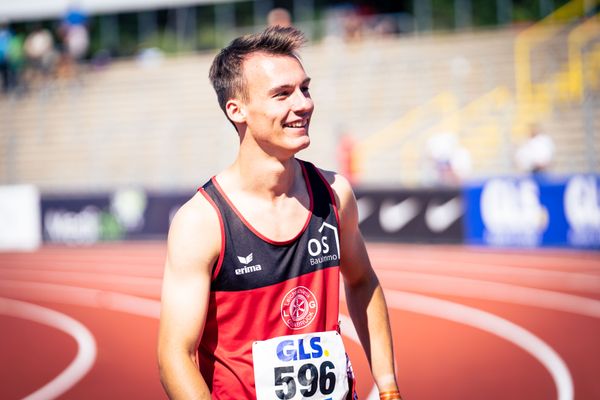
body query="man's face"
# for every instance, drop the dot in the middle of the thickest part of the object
(279, 106)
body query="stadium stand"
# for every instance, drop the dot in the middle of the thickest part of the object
(158, 125)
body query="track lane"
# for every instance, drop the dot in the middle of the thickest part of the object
(465, 358)
(86, 345)
(27, 362)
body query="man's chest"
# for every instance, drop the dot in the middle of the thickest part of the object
(279, 223)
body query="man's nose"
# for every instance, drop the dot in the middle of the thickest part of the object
(303, 103)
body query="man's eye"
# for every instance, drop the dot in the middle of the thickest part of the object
(304, 89)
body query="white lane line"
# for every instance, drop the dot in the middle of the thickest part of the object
(486, 290)
(139, 285)
(409, 281)
(533, 276)
(462, 287)
(484, 321)
(146, 285)
(121, 268)
(493, 324)
(95, 298)
(86, 353)
(575, 261)
(550, 252)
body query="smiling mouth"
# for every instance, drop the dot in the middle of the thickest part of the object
(297, 124)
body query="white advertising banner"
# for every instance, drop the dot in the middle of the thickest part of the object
(20, 223)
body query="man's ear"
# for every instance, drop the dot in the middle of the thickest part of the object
(235, 111)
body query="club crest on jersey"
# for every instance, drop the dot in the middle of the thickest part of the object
(247, 268)
(326, 248)
(299, 307)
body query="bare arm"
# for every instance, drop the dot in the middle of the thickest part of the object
(364, 294)
(193, 246)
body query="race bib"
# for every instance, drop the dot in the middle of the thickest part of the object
(306, 366)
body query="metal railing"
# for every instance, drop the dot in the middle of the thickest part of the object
(531, 102)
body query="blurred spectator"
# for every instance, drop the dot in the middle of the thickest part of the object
(386, 26)
(101, 59)
(279, 17)
(16, 59)
(536, 154)
(5, 39)
(40, 53)
(150, 58)
(345, 157)
(352, 23)
(450, 160)
(75, 39)
(75, 30)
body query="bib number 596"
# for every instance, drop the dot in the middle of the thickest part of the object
(309, 378)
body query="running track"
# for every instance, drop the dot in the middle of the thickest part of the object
(468, 323)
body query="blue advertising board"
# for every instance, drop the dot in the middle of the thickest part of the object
(529, 212)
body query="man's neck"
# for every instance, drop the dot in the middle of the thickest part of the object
(266, 177)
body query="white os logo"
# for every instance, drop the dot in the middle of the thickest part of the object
(315, 247)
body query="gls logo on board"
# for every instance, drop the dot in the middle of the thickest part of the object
(582, 210)
(325, 249)
(512, 212)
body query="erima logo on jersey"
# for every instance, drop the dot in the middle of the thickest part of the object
(246, 260)
(247, 268)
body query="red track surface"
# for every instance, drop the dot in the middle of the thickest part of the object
(468, 323)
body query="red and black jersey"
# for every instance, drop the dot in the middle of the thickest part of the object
(263, 288)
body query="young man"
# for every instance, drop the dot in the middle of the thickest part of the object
(251, 283)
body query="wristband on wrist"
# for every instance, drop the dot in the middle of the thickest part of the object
(390, 395)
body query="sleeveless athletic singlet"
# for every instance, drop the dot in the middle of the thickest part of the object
(263, 289)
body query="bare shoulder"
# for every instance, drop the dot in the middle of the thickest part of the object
(194, 235)
(196, 209)
(342, 190)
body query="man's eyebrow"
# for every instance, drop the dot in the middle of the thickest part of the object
(288, 86)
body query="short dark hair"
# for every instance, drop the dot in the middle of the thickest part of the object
(226, 74)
